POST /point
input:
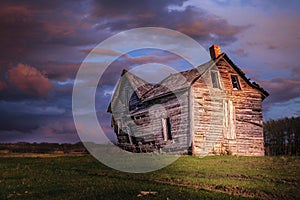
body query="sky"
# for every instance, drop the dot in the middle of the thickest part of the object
(43, 44)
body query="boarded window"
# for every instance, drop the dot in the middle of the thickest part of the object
(235, 82)
(229, 120)
(166, 126)
(215, 79)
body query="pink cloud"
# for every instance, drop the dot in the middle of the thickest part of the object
(29, 79)
(15, 10)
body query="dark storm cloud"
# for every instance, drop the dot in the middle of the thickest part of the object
(195, 22)
(113, 72)
(11, 122)
(40, 34)
(60, 71)
(122, 9)
(281, 89)
(3, 85)
(41, 119)
(30, 27)
(49, 130)
(28, 114)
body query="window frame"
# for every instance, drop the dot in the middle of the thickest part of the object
(237, 82)
(218, 80)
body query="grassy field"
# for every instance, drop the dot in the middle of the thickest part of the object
(83, 177)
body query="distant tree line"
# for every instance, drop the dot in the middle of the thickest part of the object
(282, 136)
(42, 148)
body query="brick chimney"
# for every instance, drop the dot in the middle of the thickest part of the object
(214, 51)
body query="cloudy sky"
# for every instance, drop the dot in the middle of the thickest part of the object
(43, 44)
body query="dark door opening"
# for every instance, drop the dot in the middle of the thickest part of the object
(167, 135)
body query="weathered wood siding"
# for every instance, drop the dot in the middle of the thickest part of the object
(149, 122)
(207, 116)
(125, 98)
(247, 106)
(226, 121)
(142, 121)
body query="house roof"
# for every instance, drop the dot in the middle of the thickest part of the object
(180, 81)
(177, 82)
(139, 85)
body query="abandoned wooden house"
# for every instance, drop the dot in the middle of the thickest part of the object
(211, 109)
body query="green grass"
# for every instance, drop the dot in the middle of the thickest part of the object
(83, 177)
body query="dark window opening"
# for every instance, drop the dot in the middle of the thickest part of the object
(116, 129)
(235, 82)
(141, 118)
(166, 129)
(215, 79)
(134, 102)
